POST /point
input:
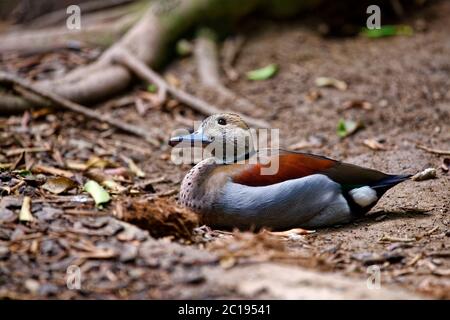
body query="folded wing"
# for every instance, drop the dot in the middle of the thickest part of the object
(294, 165)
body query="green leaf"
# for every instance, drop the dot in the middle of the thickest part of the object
(184, 48)
(347, 127)
(264, 73)
(25, 173)
(387, 31)
(97, 192)
(152, 88)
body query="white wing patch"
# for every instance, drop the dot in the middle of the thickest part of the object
(364, 196)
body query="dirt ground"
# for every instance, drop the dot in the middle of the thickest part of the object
(405, 80)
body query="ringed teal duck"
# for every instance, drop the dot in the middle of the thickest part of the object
(306, 190)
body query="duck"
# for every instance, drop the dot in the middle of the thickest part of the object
(236, 185)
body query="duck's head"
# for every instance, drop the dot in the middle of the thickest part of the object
(226, 135)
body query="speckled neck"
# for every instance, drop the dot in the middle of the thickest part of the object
(194, 193)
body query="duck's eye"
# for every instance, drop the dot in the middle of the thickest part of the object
(221, 121)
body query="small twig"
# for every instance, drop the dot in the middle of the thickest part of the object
(288, 233)
(168, 193)
(77, 108)
(14, 152)
(431, 150)
(429, 232)
(17, 186)
(54, 171)
(386, 238)
(414, 260)
(440, 254)
(145, 73)
(78, 212)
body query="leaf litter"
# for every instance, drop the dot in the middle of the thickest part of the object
(115, 255)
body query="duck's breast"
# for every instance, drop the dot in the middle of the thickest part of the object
(311, 201)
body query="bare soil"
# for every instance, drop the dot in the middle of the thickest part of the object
(406, 80)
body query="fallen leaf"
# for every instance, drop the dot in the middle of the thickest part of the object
(96, 162)
(172, 80)
(313, 95)
(32, 286)
(97, 192)
(331, 82)
(373, 144)
(357, 104)
(346, 128)
(134, 168)
(105, 180)
(227, 262)
(59, 185)
(24, 173)
(5, 166)
(120, 171)
(184, 47)
(113, 186)
(428, 173)
(264, 73)
(73, 165)
(25, 212)
(152, 88)
(388, 31)
(445, 164)
(312, 141)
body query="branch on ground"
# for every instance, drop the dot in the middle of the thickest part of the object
(145, 73)
(79, 109)
(208, 67)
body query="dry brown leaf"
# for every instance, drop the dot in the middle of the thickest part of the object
(5, 166)
(313, 95)
(373, 144)
(74, 165)
(59, 185)
(97, 162)
(445, 164)
(331, 82)
(134, 168)
(113, 186)
(307, 143)
(357, 104)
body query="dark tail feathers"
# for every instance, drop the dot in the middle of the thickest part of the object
(385, 184)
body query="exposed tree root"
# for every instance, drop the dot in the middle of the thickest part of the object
(148, 40)
(98, 29)
(146, 74)
(208, 66)
(230, 52)
(71, 106)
